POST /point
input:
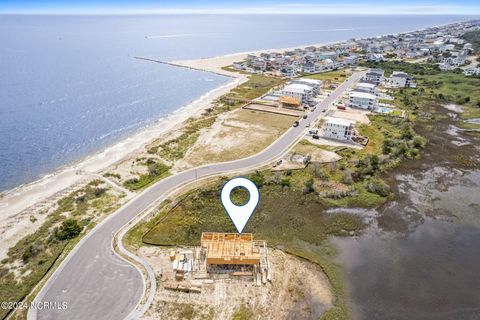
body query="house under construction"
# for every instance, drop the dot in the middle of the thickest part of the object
(221, 256)
(230, 249)
(236, 254)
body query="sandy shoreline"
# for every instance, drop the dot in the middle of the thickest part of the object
(18, 205)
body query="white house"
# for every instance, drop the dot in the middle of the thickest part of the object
(471, 71)
(297, 90)
(400, 79)
(366, 87)
(375, 57)
(362, 100)
(353, 59)
(315, 84)
(338, 129)
(374, 76)
(308, 67)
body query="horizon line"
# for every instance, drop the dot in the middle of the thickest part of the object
(235, 13)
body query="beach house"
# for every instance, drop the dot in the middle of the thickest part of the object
(375, 57)
(338, 129)
(400, 79)
(366, 87)
(362, 100)
(297, 90)
(374, 76)
(315, 84)
(349, 60)
(471, 71)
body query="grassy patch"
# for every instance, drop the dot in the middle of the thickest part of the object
(34, 255)
(176, 148)
(255, 130)
(282, 216)
(243, 313)
(398, 65)
(337, 76)
(473, 37)
(434, 86)
(256, 86)
(156, 172)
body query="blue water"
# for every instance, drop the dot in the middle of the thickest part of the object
(69, 85)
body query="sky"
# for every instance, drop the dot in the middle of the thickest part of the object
(445, 7)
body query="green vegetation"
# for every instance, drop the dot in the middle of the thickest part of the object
(243, 313)
(473, 37)
(434, 87)
(112, 175)
(176, 148)
(256, 86)
(337, 76)
(68, 230)
(451, 87)
(34, 255)
(156, 171)
(410, 68)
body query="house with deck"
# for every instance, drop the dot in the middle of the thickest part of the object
(297, 90)
(374, 76)
(366, 87)
(362, 100)
(338, 129)
(399, 79)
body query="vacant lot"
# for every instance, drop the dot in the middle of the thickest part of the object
(236, 135)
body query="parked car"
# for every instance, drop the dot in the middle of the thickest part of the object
(296, 123)
(307, 125)
(324, 110)
(316, 136)
(305, 116)
(313, 131)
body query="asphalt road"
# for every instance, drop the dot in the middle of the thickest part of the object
(95, 283)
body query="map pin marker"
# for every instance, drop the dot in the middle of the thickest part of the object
(240, 214)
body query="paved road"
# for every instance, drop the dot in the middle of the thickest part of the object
(95, 283)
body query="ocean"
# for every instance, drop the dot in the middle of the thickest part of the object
(70, 85)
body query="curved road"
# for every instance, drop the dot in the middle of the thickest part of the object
(95, 283)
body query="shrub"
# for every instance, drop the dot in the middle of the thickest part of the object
(319, 173)
(407, 132)
(285, 182)
(418, 142)
(309, 186)
(258, 178)
(29, 253)
(347, 177)
(99, 191)
(68, 230)
(377, 186)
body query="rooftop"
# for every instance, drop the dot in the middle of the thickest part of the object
(297, 87)
(364, 95)
(312, 81)
(366, 85)
(338, 121)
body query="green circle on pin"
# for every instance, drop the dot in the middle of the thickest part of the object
(240, 214)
